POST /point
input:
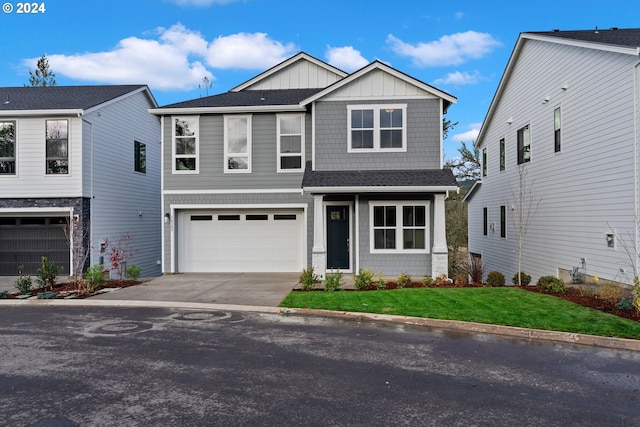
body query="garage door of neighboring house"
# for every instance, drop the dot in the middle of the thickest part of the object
(240, 241)
(25, 240)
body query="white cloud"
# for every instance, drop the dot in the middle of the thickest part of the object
(346, 58)
(458, 78)
(454, 49)
(469, 136)
(459, 15)
(247, 51)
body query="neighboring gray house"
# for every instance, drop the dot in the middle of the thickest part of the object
(83, 156)
(305, 165)
(566, 111)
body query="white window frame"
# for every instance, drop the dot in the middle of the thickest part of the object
(228, 154)
(13, 159)
(279, 155)
(47, 159)
(399, 227)
(175, 156)
(376, 127)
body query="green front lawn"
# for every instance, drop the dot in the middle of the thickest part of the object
(498, 306)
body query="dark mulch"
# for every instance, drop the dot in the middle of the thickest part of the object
(65, 289)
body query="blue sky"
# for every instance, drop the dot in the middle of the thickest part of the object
(461, 47)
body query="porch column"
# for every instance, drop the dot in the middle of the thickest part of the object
(439, 250)
(319, 252)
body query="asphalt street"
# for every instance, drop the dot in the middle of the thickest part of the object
(104, 366)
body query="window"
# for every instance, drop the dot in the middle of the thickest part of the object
(290, 143)
(556, 129)
(399, 227)
(57, 147)
(502, 155)
(377, 128)
(524, 145)
(485, 221)
(484, 162)
(7, 148)
(503, 222)
(237, 144)
(185, 144)
(139, 157)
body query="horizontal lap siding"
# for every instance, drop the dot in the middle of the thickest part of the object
(583, 189)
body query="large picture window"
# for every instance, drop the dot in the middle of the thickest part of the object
(185, 144)
(290, 143)
(399, 227)
(57, 147)
(237, 144)
(7, 148)
(377, 128)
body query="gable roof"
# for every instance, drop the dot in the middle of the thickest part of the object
(284, 64)
(71, 99)
(624, 41)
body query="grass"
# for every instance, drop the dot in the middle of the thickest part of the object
(498, 306)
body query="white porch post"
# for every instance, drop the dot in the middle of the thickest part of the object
(439, 250)
(319, 252)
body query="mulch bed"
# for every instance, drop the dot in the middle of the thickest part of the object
(66, 289)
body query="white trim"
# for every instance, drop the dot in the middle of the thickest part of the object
(376, 128)
(279, 154)
(121, 97)
(162, 209)
(399, 227)
(348, 203)
(15, 150)
(441, 132)
(48, 113)
(381, 189)
(386, 97)
(173, 146)
(36, 210)
(238, 191)
(582, 43)
(313, 136)
(232, 109)
(356, 215)
(218, 206)
(227, 154)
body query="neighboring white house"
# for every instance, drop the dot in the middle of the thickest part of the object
(82, 155)
(567, 112)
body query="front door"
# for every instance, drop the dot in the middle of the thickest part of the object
(338, 237)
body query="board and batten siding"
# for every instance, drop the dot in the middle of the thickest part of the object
(124, 201)
(586, 188)
(211, 176)
(300, 75)
(423, 137)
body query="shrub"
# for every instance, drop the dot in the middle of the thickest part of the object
(47, 273)
(525, 279)
(441, 281)
(427, 281)
(475, 268)
(95, 276)
(625, 304)
(23, 284)
(610, 292)
(133, 272)
(461, 280)
(635, 292)
(403, 280)
(47, 295)
(550, 285)
(4, 294)
(363, 279)
(308, 279)
(380, 281)
(495, 278)
(333, 281)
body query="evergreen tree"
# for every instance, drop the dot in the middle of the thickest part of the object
(42, 75)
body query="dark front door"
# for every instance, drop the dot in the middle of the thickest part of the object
(337, 237)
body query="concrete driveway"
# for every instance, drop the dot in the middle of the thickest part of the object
(257, 289)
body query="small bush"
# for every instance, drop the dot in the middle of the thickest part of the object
(550, 285)
(403, 280)
(308, 279)
(427, 281)
(363, 279)
(380, 281)
(133, 272)
(95, 276)
(525, 279)
(47, 295)
(635, 292)
(23, 284)
(4, 294)
(625, 304)
(47, 273)
(333, 281)
(610, 292)
(441, 281)
(475, 268)
(461, 280)
(495, 278)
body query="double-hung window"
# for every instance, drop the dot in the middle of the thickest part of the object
(399, 227)
(57, 147)
(556, 130)
(524, 145)
(7, 148)
(377, 128)
(290, 142)
(237, 144)
(185, 144)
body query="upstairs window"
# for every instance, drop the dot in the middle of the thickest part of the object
(139, 157)
(290, 143)
(185, 144)
(57, 147)
(502, 155)
(484, 162)
(377, 128)
(524, 145)
(237, 144)
(7, 148)
(556, 130)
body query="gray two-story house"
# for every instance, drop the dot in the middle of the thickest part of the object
(79, 166)
(304, 166)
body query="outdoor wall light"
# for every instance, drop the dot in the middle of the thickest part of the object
(510, 120)
(167, 217)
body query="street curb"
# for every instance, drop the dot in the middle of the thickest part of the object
(455, 325)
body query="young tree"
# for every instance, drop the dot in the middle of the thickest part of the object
(42, 75)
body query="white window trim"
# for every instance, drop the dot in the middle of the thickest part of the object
(227, 154)
(15, 150)
(376, 127)
(55, 175)
(175, 156)
(279, 155)
(400, 227)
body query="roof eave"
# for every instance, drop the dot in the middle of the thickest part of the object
(382, 189)
(471, 191)
(34, 113)
(229, 110)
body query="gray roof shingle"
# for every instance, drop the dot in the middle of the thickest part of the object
(248, 98)
(60, 97)
(628, 37)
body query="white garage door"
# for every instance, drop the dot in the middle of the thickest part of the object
(240, 241)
